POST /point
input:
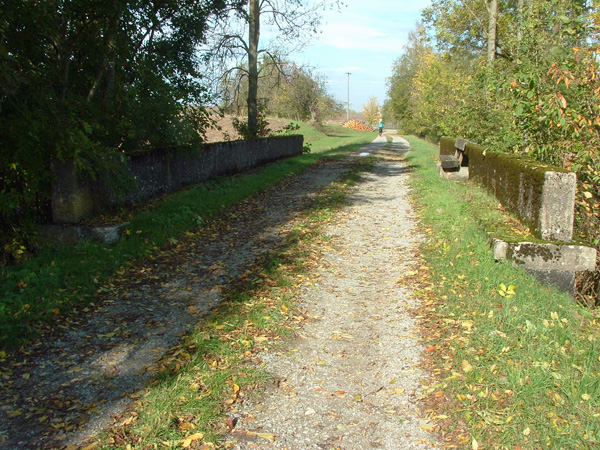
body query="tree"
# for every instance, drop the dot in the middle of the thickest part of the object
(539, 97)
(90, 80)
(403, 72)
(235, 49)
(372, 110)
(287, 91)
(492, 28)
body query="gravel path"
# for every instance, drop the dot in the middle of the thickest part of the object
(351, 379)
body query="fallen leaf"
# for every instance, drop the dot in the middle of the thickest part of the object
(267, 436)
(466, 366)
(185, 443)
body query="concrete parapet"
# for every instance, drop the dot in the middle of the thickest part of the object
(153, 173)
(543, 196)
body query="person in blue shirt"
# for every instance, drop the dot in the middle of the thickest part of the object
(380, 127)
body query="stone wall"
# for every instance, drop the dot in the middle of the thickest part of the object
(161, 171)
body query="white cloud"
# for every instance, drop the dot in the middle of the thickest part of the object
(356, 36)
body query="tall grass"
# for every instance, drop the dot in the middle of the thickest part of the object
(516, 363)
(56, 282)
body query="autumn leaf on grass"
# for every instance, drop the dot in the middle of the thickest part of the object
(506, 291)
(185, 443)
(466, 366)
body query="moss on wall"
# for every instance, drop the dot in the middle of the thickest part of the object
(447, 145)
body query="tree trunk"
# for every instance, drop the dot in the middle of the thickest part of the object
(254, 34)
(493, 22)
(521, 12)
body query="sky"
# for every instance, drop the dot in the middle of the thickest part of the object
(363, 38)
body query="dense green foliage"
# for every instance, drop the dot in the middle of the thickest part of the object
(540, 96)
(89, 80)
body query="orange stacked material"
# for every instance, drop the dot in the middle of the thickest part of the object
(358, 126)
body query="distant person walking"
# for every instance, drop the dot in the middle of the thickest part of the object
(380, 127)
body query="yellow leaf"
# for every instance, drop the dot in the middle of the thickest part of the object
(284, 308)
(588, 194)
(527, 431)
(89, 447)
(398, 391)
(586, 397)
(185, 443)
(187, 426)
(475, 444)
(466, 366)
(428, 428)
(2, 354)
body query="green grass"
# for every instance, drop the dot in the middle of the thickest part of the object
(517, 361)
(56, 283)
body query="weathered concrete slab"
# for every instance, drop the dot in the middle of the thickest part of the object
(549, 263)
(449, 162)
(72, 196)
(557, 208)
(67, 235)
(459, 175)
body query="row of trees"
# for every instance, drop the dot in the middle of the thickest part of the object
(285, 90)
(516, 75)
(91, 80)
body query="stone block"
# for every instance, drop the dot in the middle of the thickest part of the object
(557, 206)
(549, 263)
(72, 197)
(459, 175)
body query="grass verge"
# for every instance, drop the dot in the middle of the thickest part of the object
(202, 380)
(38, 292)
(515, 364)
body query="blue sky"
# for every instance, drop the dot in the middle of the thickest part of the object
(364, 38)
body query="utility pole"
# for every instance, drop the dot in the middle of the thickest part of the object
(348, 104)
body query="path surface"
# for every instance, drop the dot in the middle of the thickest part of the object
(351, 379)
(71, 383)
